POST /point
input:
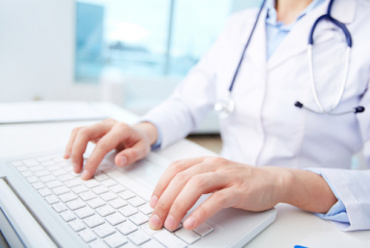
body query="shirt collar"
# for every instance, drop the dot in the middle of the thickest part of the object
(271, 17)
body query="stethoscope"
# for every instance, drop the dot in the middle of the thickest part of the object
(227, 106)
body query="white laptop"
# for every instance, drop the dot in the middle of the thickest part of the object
(43, 203)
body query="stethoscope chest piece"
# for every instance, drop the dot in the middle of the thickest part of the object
(225, 107)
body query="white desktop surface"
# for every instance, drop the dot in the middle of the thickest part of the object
(291, 227)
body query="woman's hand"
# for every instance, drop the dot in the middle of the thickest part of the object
(133, 141)
(232, 185)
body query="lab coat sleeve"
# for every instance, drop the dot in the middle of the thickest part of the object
(351, 187)
(193, 98)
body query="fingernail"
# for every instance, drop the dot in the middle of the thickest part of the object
(153, 201)
(154, 222)
(75, 167)
(189, 223)
(170, 223)
(85, 175)
(122, 161)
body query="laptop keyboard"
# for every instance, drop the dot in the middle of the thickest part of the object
(102, 211)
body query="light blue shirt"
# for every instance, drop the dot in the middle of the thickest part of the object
(276, 31)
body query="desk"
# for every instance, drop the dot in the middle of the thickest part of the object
(292, 226)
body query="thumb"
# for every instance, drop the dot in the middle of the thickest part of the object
(131, 154)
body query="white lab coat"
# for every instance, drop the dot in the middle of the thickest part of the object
(266, 128)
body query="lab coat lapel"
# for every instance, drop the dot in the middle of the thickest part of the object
(297, 39)
(256, 52)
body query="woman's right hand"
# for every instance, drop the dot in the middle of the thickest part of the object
(132, 142)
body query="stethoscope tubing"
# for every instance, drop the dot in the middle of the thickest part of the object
(229, 105)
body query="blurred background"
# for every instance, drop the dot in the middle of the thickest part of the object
(131, 53)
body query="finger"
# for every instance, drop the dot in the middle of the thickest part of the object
(216, 202)
(169, 195)
(197, 186)
(106, 144)
(83, 136)
(172, 170)
(68, 150)
(132, 154)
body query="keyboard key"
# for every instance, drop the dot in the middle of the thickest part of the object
(104, 230)
(139, 218)
(116, 240)
(91, 183)
(128, 210)
(73, 182)
(48, 163)
(65, 177)
(84, 212)
(136, 201)
(127, 194)
(60, 190)
(27, 173)
(75, 204)
(100, 190)
(105, 210)
(47, 178)
(87, 235)
(189, 237)
(38, 185)
(79, 189)
(41, 173)
(52, 167)
(152, 244)
(117, 188)
(139, 237)
(108, 196)
(204, 229)
(95, 203)
(68, 197)
(37, 168)
(169, 240)
(115, 219)
(94, 221)
(88, 195)
(109, 182)
(51, 199)
(77, 225)
(126, 227)
(59, 207)
(118, 203)
(58, 172)
(53, 184)
(98, 244)
(44, 192)
(32, 179)
(30, 162)
(146, 209)
(101, 176)
(67, 216)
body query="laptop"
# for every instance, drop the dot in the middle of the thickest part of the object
(43, 203)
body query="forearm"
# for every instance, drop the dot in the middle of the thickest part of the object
(307, 190)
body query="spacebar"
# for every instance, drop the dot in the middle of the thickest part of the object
(130, 184)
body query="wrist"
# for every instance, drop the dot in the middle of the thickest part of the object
(307, 190)
(149, 130)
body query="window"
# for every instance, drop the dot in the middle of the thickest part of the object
(146, 38)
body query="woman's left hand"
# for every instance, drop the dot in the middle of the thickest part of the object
(232, 184)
